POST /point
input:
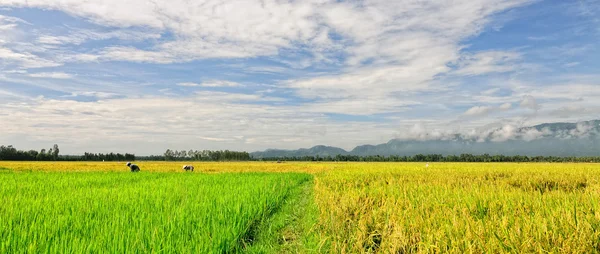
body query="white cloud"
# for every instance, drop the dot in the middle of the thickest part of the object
(78, 36)
(12, 20)
(47, 39)
(54, 75)
(235, 97)
(478, 111)
(25, 60)
(238, 29)
(389, 57)
(220, 83)
(490, 91)
(541, 38)
(15, 71)
(487, 62)
(529, 102)
(362, 105)
(421, 132)
(505, 106)
(189, 84)
(568, 111)
(495, 132)
(6, 93)
(148, 125)
(571, 64)
(503, 134)
(567, 90)
(99, 95)
(136, 55)
(211, 83)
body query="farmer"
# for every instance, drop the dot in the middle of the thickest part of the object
(188, 168)
(133, 167)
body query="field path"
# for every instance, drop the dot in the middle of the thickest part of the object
(291, 228)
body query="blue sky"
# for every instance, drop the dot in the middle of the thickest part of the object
(143, 76)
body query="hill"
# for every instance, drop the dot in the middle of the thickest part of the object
(548, 139)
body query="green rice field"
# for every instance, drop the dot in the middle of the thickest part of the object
(98, 212)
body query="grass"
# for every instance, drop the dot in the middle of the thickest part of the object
(322, 208)
(292, 228)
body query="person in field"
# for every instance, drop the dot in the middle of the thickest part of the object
(188, 168)
(133, 167)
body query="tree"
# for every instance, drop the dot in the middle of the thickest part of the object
(55, 152)
(169, 155)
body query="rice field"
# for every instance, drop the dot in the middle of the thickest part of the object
(265, 207)
(98, 212)
(460, 208)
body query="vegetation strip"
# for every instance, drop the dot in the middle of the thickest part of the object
(292, 228)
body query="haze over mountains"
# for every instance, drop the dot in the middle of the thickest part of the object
(549, 139)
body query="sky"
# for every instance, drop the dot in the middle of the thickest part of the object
(142, 76)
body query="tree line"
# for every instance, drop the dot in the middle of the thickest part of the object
(439, 158)
(203, 155)
(11, 153)
(53, 154)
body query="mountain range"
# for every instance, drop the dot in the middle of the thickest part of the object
(548, 139)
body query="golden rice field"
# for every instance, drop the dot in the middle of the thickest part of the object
(404, 207)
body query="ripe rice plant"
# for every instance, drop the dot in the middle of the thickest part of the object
(99, 212)
(460, 208)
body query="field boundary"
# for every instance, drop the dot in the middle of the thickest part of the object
(288, 229)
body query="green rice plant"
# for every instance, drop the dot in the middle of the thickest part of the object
(101, 212)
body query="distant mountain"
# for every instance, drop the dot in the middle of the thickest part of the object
(549, 139)
(314, 151)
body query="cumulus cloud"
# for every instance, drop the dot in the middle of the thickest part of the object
(529, 102)
(505, 106)
(501, 132)
(421, 132)
(478, 111)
